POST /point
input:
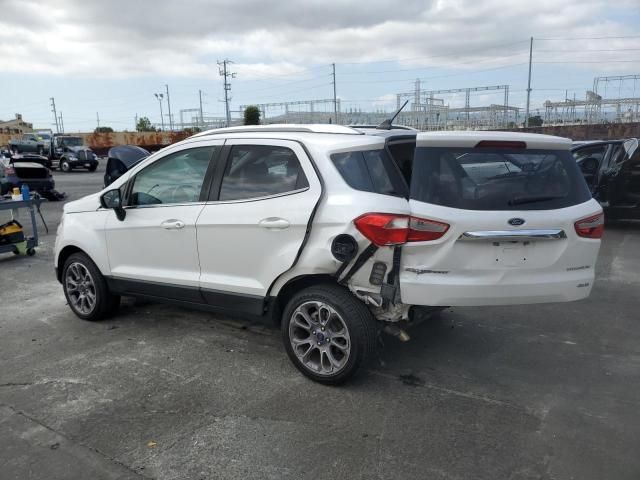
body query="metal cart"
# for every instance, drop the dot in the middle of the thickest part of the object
(33, 205)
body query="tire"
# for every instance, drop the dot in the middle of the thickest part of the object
(65, 166)
(327, 361)
(40, 151)
(93, 168)
(31, 252)
(75, 271)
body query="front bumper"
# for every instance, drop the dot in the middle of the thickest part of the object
(83, 163)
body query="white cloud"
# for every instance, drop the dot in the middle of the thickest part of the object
(124, 38)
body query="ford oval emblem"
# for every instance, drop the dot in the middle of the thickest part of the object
(516, 222)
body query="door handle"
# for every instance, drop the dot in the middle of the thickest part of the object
(172, 224)
(274, 223)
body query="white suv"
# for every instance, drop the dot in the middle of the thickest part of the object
(316, 226)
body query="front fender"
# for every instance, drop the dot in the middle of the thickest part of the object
(85, 231)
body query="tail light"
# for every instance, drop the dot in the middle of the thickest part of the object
(591, 227)
(421, 229)
(383, 228)
(391, 229)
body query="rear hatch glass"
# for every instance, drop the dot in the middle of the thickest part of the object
(497, 179)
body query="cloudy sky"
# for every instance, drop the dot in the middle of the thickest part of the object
(111, 56)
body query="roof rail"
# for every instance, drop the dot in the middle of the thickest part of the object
(311, 128)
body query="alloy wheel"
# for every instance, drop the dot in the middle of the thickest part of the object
(80, 287)
(319, 338)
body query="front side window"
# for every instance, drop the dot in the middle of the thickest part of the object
(176, 178)
(486, 179)
(255, 171)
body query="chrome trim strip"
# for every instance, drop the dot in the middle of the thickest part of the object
(512, 235)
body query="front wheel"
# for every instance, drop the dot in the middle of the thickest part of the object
(65, 166)
(328, 333)
(86, 289)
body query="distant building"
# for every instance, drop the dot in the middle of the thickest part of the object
(17, 125)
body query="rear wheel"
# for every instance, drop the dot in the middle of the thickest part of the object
(86, 289)
(40, 151)
(65, 166)
(93, 168)
(328, 333)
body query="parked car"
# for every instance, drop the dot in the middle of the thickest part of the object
(314, 226)
(28, 142)
(30, 169)
(70, 152)
(46, 136)
(120, 159)
(612, 172)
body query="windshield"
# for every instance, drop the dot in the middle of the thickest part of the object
(71, 141)
(44, 136)
(486, 179)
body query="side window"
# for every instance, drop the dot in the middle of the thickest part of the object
(596, 152)
(255, 171)
(176, 178)
(370, 171)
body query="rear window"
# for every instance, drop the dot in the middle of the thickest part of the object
(486, 179)
(370, 171)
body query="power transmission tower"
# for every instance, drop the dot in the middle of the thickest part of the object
(526, 115)
(201, 117)
(169, 106)
(335, 99)
(55, 115)
(225, 73)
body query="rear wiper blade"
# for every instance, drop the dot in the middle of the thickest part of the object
(533, 199)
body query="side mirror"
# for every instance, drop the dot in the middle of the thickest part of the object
(112, 199)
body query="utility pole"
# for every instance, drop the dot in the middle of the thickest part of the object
(526, 115)
(61, 123)
(335, 100)
(160, 96)
(224, 72)
(55, 115)
(201, 118)
(98, 119)
(135, 125)
(169, 105)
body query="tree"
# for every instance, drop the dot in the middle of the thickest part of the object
(144, 125)
(252, 115)
(535, 121)
(103, 130)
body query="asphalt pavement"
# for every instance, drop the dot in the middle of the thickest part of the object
(525, 392)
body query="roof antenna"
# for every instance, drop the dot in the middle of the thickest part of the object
(386, 125)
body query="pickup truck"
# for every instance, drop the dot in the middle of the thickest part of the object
(28, 143)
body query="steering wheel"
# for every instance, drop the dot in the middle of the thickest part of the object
(182, 191)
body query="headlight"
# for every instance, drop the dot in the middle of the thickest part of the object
(72, 157)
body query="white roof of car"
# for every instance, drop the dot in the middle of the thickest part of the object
(284, 127)
(325, 136)
(469, 139)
